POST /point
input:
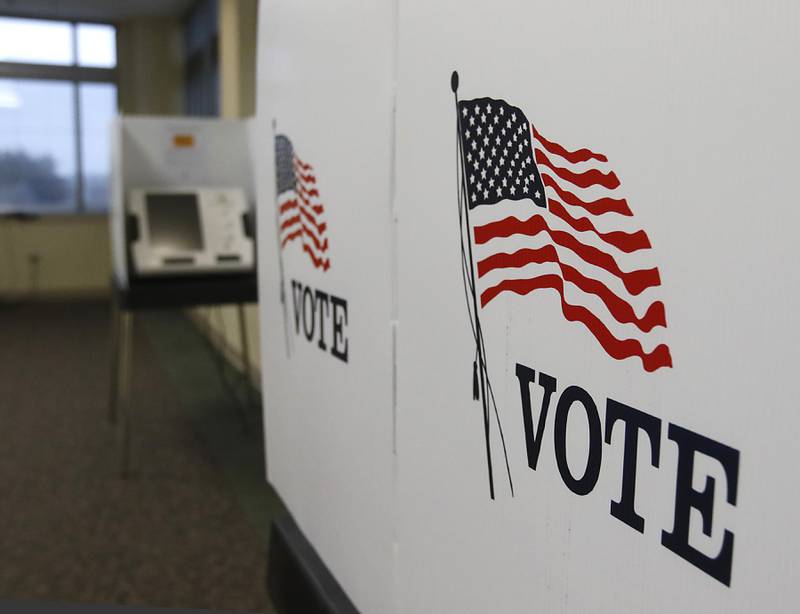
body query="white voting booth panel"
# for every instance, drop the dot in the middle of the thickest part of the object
(691, 106)
(170, 152)
(328, 362)
(638, 330)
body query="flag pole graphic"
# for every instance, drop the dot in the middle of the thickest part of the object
(479, 350)
(280, 252)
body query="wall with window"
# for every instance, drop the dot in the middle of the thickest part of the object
(57, 96)
(60, 85)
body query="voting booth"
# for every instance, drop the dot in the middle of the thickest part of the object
(182, 226)
(530, 285)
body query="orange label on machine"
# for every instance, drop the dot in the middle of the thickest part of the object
(183, 140)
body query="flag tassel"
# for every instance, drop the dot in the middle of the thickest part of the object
(475, 389)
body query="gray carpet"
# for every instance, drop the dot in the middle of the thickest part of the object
(188, 529)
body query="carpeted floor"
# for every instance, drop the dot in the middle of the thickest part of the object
(188, 529)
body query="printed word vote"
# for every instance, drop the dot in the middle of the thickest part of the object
(319, 311)
(637, 425)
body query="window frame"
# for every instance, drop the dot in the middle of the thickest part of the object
(74, 74)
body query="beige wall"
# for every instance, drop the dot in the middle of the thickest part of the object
(56, 256)
(221, 325)
(237, 50)
(150, 66)
(237, 55)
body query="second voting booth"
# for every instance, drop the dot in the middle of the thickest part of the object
(183, 227)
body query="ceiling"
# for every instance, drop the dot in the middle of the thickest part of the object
(99, 10)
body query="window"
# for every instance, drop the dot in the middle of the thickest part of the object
(58, 96)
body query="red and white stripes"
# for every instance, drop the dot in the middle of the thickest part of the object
(301, 216)
(585, 246)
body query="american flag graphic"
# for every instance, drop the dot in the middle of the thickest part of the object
(301, 214)
(556, 219)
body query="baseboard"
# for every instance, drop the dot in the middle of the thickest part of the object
(297, 580)
(56, 296)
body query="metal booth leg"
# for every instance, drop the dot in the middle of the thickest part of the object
(124, 393)
(221, 362)
(245, 354)
(113, 389)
